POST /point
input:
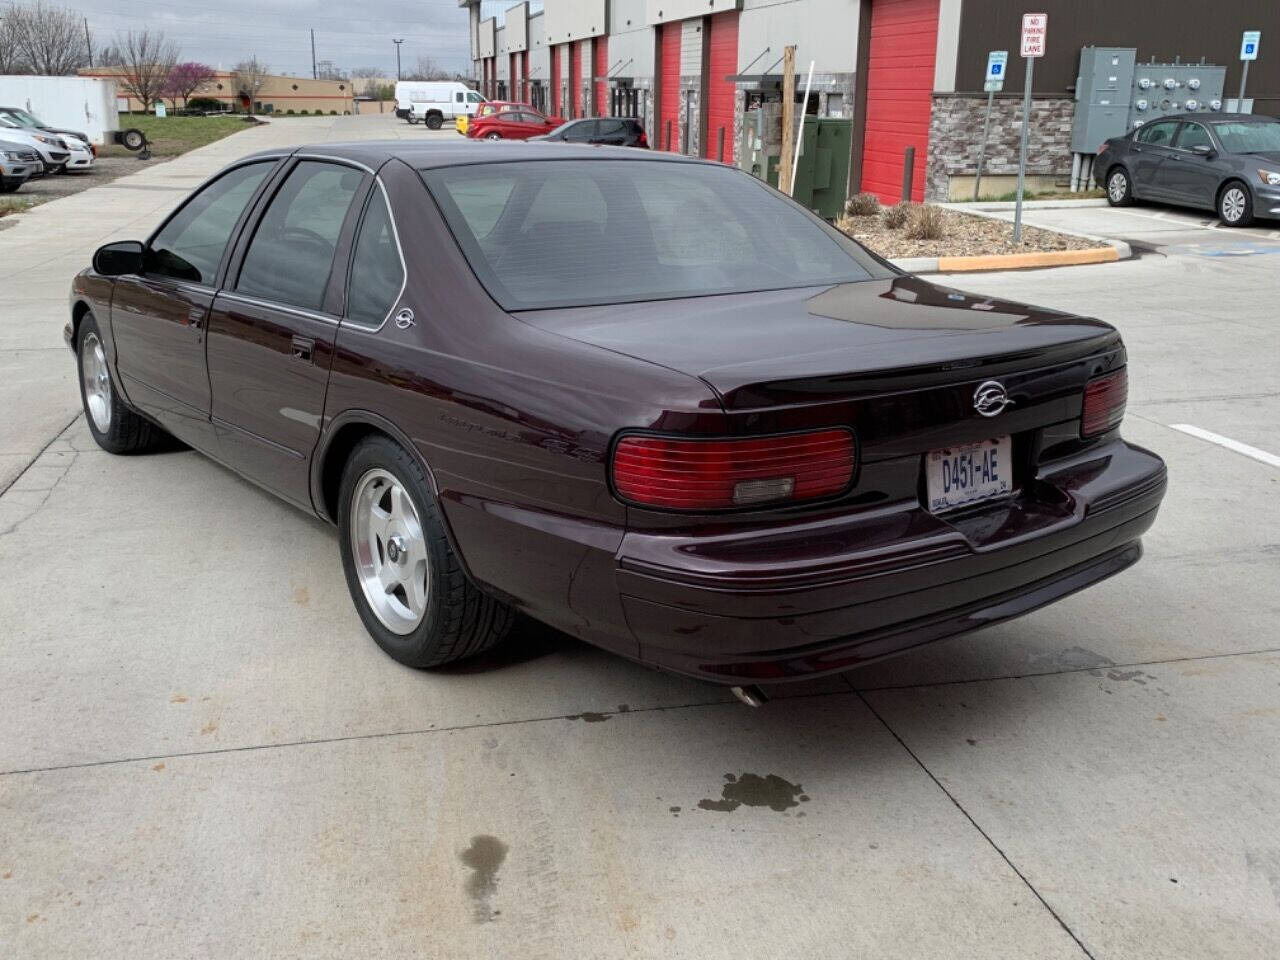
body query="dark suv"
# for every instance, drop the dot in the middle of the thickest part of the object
(614, 131)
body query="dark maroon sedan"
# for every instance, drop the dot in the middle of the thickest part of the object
(647, 400)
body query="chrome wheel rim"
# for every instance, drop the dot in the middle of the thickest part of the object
(1233, 202)
(390, 551)
(97, 382)
(1116, 187)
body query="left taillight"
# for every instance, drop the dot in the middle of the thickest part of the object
(1104, 402)
(716, 474)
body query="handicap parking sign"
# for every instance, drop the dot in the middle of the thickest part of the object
(996, 61)
(1249, 44)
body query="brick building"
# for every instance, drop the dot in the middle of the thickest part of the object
(279, 94)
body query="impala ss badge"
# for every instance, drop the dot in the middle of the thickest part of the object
(990, 398)
(404, 319)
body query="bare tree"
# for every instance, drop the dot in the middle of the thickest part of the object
(427, 69)
(185, 79)
(11, 61)
(149, 59)
(48, 40)
(108, 55)
(250, 76)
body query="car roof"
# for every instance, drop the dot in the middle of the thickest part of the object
(1218, 117)
(433, 154)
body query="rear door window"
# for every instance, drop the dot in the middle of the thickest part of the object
(291, 255)
(1159, 134)
(581, 132)
(190, 246)
(1193, 135)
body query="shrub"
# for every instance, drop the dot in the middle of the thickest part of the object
(289, 112)
(862, 205)
(927, 222)
(333, 113)
(203, 103)
(895, 217)
(302, 112)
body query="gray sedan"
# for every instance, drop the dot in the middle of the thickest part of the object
(1228, 162)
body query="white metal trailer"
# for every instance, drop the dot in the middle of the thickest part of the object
(86, 104)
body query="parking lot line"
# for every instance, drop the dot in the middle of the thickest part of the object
(1260, 455)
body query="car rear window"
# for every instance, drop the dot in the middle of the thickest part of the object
(559, 233)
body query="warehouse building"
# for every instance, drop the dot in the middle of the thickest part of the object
(279, 94)
(906, 73)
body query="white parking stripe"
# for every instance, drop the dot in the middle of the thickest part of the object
(1260, 455)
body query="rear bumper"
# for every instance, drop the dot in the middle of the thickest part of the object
(821, 597)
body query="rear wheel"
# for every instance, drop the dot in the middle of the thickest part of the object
(434, 121)
(114, 426)
(405, 580)
(495, 135)
(1119, 189)
(412, 118)
(1235, 205)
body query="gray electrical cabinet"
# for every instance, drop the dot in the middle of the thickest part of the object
(1114, 93)
(1104, 90)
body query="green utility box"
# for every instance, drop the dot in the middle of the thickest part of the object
(822, 176)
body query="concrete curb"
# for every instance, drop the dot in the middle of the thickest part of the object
(1027, 204)
(1106, 251)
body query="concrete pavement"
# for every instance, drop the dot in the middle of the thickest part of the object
(203, 754)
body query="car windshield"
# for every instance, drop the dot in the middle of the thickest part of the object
(25, 119)
(1249, 136)
(561, 233)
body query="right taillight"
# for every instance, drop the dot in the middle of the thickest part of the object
(679, 473)
(1104, 400)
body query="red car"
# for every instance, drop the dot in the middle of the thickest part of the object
(514, 123)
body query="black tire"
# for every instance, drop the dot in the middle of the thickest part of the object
(132, 139)
(126, 432)
(412, 118)
(60, 168)
(1119, 188)
(1235, 204)
(434, 121)
(9, 187)
(459, 621)
(495, 135)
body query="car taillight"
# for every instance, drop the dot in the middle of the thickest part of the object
(643, 141)
(681, 474)
(1104, 400)
(1102, 149)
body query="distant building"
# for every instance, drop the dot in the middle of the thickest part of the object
(278, 95)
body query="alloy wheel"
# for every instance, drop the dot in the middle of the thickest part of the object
(1117, 186)
(97, 381)
(390, 551)
(1233, 204)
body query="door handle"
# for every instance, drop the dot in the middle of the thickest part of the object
(195, 317)
(303, 348)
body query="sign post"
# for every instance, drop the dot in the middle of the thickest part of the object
(1248, 51)
(996, 61)
(1035, 31)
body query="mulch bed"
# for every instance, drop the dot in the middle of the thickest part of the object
(966, 236)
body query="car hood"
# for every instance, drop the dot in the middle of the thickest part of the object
(1268, 156)
(848, 339)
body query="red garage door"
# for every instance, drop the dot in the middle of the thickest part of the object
(575, 78)
(904, 36)
(555, 80)
(669, 88)
(722, 62)
(514, 68)
(601, 70)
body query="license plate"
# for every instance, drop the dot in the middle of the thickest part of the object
(968, 474)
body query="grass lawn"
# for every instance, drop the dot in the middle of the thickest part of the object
(171, 136)
(10, 204)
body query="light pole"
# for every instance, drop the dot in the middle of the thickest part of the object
(397, 43)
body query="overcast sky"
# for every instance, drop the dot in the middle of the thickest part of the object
(222, 32)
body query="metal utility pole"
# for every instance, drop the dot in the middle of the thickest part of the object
(88, 41)
(788, 117)
(313, 53)
(397, 43)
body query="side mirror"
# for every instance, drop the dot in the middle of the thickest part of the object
(117, 259)
(1202, 150)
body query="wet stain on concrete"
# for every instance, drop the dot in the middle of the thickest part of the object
(158, 767)
(484, 857)
(178, 698)
(301, 596)
(590, 717)
(210, 727)
(753, 790)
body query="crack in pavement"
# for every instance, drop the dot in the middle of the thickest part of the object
(40, 453)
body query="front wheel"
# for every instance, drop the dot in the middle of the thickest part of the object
(1235, 205)
(1119, 189)
(114, 426)
(493, 136)
(408, 585)
(412, 118)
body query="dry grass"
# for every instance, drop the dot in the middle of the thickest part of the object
(952, 234)
(895, 217)
(926, 222)
(862, 205)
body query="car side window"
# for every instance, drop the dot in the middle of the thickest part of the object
(190, 245)
(474, 97)
(1193, 135)
(458, 97)
(291, 254)
(581, 132)
(611, 128)
(377, 273)
(1158, 134)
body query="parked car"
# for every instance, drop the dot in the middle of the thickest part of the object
(582, 387)
(53, 150)
(1228, 162)
(492, 106)
(513, 123)
(17, 164)
(433, 103)
(614, 131)
(80, 157)
(24, 118)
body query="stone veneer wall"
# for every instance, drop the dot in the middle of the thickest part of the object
(955, 135)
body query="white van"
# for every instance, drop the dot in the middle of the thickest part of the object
(434, 103)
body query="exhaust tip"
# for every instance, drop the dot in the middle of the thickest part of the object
(751, 695)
